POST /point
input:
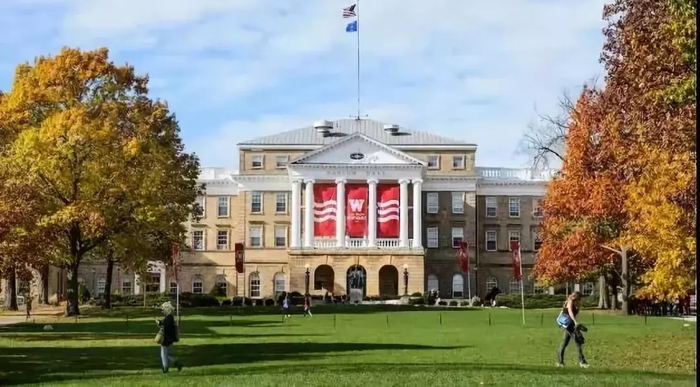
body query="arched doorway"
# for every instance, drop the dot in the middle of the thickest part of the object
(388, 281)
(324, 278)
(357, 279)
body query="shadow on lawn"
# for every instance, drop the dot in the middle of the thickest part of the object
(22, 365)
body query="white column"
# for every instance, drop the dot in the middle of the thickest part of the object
(340, 212)
(309, 214)
(137, 284)
(372, 213)
(296, 214)
(163, 277)
(417, 213)
(403, 213)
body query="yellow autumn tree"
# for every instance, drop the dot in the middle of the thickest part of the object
(101, 155)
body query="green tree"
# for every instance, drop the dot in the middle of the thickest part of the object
(103, 156)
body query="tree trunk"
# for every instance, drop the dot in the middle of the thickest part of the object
(11, 291)
(43, 285)
(603, 293)
(625, 281)
(108, 284)
(613, 300)
(72, 306)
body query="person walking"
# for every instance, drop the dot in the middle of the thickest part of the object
(29, 306)
(167, 336)
(307, 306)
(572, 329)
(285, 307)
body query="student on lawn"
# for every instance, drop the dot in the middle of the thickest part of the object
(307, 306)
(167, 336)
(572, 329)
(285, 307)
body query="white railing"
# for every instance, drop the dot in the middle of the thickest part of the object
(359, 243)
(516, 173)
(209, 173)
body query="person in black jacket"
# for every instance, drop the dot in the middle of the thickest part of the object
(170, 336)
(572, 329)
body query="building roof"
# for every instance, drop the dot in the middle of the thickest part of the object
(344, 127)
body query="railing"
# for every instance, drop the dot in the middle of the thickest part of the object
(216, 173)
(516, 173)
(359, 243)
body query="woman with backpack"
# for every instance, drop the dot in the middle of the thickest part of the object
(572, 329)
(167, 336)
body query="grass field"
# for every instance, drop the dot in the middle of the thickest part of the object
(348, 346)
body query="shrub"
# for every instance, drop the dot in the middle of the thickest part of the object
(259, 302)
(537, 301)
(442, 303)
(464, 303)
(269, 302)
(417, 301)
(226, 303)
(454, 303)
(417, 294)
(476, 301)
(217, 291)
(237, 301)
(247, 302)
(190, 300)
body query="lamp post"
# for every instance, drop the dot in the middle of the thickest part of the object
(405, 279)
(307, 277)
(94, 284)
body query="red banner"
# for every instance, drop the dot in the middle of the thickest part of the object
(517, 264)
(356, 211)
(238, 252)
(388, 211)
(325, 210)
(464, 257)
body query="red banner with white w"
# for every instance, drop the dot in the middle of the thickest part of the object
(517, 261)
(464, 257)
(325, 210)
(356, 211)
(388, 211)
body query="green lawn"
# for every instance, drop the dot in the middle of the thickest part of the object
(348, 346)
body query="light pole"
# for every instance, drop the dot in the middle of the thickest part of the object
(119, 281)
(307, 277)
(94, 284)
(405, 280)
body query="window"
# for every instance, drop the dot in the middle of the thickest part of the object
(222, 240)
(587, 288)
(281, 203)
(279, 284)
(222, 284)
(257, 161)
(536, 209)
(433, 283)
(201, 203)
(491, 241)
(280, 236)
(256, 202)
(432, 203)
(127, 287)
(491, 283)
(256, 236)
(540, 289)
(457, 236)
(281, 162)
(433, 162)
(433, 241)
(173, 287)
(514, 207)
(457, 202)
(537, 244)
(457, 286)
(153, 283)
(490, 207)
(458, 162)
(198, 240)
(513, 236)
(223, 206)
(101, 284)
(254, 285)
(514, 286)
(197, 285)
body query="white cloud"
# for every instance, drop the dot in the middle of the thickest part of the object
(234, 70)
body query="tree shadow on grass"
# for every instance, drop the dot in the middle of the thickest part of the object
(22, 365)
(34, 337)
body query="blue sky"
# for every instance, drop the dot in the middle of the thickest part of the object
(235, 70)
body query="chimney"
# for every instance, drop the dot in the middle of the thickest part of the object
(323, 127)
(391, 129)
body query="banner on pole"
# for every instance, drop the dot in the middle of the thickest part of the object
(516, 260)
(238, 251)
(176, 261)
(464, 257)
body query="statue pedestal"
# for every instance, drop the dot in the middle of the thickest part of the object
(405, 300)
(355, 296)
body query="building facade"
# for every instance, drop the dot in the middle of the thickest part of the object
(352, 196)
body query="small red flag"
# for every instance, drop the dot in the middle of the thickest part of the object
(517, 263)
(238, 251)
(464, 257)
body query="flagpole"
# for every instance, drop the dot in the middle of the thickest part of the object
(522, 292)
(358, 59)
(469, 285)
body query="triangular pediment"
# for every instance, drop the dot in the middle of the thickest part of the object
(357, 149)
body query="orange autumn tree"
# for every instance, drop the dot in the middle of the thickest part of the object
(584, 214)
(651, 59)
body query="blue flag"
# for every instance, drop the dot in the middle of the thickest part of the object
(351, 27)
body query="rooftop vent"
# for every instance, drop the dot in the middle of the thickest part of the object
(391, 128)
(324, 126)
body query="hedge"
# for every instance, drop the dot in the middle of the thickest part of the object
(538, 301)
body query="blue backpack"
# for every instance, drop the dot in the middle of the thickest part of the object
(563, 320)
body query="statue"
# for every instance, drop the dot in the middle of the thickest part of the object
(356, 279)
